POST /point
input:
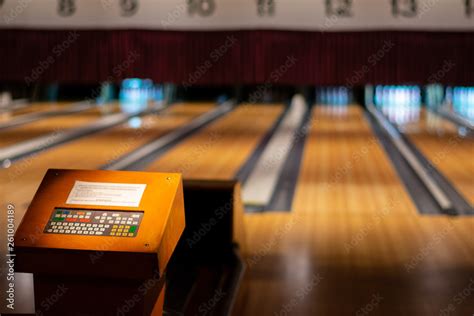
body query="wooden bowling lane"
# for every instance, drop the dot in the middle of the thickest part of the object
(36, 107)
(54, 124)
(353, 243)
(20, 181)
(219, 150)
(451, 154)
(345, 169)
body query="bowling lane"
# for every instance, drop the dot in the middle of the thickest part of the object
(450, 153)
(36, 107)
(353, 235)
(54, 124)
(20, 181)
(345, 169)
(218, 151)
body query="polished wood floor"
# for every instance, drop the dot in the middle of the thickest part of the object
(449, 152)
(222, 148)
(344, 165)
(54, 125)
(353, 243)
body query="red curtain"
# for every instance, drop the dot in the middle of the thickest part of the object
(231, 57)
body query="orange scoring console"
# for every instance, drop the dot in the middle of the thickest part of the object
(104, 238)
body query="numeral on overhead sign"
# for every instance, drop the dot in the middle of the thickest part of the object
(66, 7)
(129, 7)
(265, 7)
(469, 8)
(201, 7)
(406, 8)
(342, 8)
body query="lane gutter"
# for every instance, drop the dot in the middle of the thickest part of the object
(436, 192)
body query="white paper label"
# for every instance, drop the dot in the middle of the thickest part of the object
(106, 193)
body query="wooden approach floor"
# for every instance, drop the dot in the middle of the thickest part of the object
(353, 243)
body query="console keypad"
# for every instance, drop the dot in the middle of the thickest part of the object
(94, 223)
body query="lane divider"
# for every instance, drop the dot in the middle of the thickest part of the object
(261, 183)
(435, 190)
(455, 118)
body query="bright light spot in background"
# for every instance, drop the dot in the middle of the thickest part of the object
(463, 101)
(135, 122)
(401, 104)
(136, 94)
